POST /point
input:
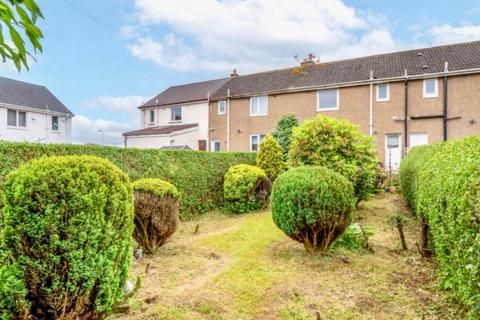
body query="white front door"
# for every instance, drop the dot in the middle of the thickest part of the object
(393, 152)
(418, 139)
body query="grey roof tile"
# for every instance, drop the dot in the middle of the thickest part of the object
(18, 93)
(460, 56)
(160, 130)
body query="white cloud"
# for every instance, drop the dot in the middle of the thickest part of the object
(446, 34)
(127, 104)
(86, 130)
(252, 35)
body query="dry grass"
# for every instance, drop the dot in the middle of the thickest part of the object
(243, 267)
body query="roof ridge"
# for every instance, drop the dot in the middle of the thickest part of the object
(198, 82)
(24, 82)
(363, 57)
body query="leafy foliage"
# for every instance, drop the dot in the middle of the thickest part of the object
(445, 190)
(270, 158)
(283, 132)
(246, 188)
(198, 176)
(156, 213)
(18, 16)
(65, 239)
(337, 145)
(312, 205)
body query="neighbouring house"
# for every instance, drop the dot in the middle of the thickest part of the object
(31, 113)
(401, 99)
(176, 118)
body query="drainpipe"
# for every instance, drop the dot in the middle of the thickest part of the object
(208, 123)
(370, 115)
(228, 119)
(405, 116)
(445, 103)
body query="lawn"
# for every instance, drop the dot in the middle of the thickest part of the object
(243, 267)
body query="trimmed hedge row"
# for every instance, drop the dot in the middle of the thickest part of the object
(198, 176)
(442, 184)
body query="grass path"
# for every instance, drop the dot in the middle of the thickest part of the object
(243, 267)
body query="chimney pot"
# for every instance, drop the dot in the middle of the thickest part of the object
(234, 73)
(308, 60)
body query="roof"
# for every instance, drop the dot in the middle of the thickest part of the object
(191, 92)
(18, 93)
(184, 147)
(460, 56)
(160, 130)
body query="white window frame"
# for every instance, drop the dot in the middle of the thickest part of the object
(212, 145)
(258, 135)
(387, 98)
(430, 95)
(337, 107)
(58, 123)
(17, 119)
(171, 114)
(219, 103)
(150, 113)
(251, 106)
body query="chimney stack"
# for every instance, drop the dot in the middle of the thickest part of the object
(308, 60)
(234, 73)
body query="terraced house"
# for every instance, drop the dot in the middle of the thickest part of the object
(402, 99)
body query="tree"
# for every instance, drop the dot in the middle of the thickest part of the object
(283, 132)
(16, 17)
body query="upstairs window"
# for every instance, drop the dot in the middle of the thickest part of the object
(54, 123)
(176, 114)
(152, 116)
(259, 106)
(383, 92)
(222, 107)
(16, 118)
(255, 141)
(430, 88)
(328, 100)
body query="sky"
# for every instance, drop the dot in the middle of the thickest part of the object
(104, 58)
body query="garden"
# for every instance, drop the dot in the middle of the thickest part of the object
(309, 227)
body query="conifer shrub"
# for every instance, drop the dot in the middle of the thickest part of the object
(246, 188)
(156, 213)
(283, 132)
(65, 239)
(338, 145)
(313, 205)
(270, 158)
(447, 195)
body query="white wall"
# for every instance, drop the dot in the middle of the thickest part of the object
(191, 113)
(38, 128)
(187, 137)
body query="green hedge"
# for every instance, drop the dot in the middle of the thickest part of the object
(445, 191)
(198, 176)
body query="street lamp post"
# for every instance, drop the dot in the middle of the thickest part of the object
(101, 136)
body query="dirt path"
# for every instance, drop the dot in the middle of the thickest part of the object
(243, 267)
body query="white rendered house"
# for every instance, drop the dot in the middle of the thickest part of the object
(31, 113)
(177, 118)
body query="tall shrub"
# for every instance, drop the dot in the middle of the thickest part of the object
(65, 239)
(156, 213)
(246, 188)
(197, 175)
(270, 158)
(447, 195)
(312, 205)
(337, 145)
(283, 132)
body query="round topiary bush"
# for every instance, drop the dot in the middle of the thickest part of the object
(246, 188)
(337, 145)
(65, 239)
(156, 213)
(312, 205)
(270, 158)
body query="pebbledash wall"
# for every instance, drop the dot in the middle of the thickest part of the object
(424, 118)
(38, 127)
